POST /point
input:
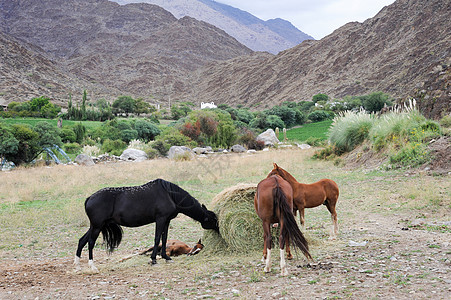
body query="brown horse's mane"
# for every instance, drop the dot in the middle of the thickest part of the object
(282, 173)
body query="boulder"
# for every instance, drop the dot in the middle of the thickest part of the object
(133, 155)
(238, 149)
(178, 151)
(84, 160)
(304, 146)
(268, 137)
(200, 150)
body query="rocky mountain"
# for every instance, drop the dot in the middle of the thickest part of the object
(397, 52)
(272, 36)
(26, 71)
(57, 47)
(138, 49)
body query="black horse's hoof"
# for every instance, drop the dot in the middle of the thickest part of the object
(153, 262)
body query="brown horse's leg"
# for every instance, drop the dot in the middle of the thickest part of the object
(302, 218)
(283, 264)
(289, 255)
(333, 214)
(267, 246)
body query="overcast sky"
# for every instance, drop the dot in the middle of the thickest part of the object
(317, 18)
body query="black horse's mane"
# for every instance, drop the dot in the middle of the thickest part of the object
(181, 197)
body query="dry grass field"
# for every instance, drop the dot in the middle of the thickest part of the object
(394, 241)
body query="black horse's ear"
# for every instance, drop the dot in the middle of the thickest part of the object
(203, 206)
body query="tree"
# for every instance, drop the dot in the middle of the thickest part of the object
(8, 143)
(28, 148)
(48, 135)
(288, 115)
(374, 102)
(141, 107)
(50, 111)
(80, 132)
(83, 106)
(124, 104)
(181, 110)
(320, 97)
(37, 103)
(147, 131)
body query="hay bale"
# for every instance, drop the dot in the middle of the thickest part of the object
(240, 227)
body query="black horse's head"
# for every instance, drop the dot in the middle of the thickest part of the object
(210, 220)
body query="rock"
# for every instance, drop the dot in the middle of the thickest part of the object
(178, 151)
(357, 244)
(199, 150)
(304, 146)
(133, 155)
(238, 149)
(268, 137)
(84, 160)
(251, 151)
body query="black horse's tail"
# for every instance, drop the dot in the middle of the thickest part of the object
(290, 229)
(112, 235)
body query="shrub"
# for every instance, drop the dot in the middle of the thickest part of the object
(446, 121)
(374, 102)
(244, 115)
(249, 139)
(411, 155)
(48, 134)
(320, 97)
(147, 131)
(318, 115)
(115, 147)
(72, 148)
(129, 134)
(67, 135)
(8, 143)
(305, 106)
(91, 150)
(314, 141)
(28, 147)
(330, 152)
(350, 129)
(273, 121)
(286, 114)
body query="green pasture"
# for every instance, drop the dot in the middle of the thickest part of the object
(315, 130)
(33, 121)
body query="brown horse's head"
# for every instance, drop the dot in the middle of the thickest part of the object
(276, 171)
(282, 173)
(196, 249)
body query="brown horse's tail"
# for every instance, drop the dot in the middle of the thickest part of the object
(290, 229)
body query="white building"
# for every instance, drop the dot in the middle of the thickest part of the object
(207, 105)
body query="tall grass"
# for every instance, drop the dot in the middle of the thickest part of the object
(350, 129)
(403, 135)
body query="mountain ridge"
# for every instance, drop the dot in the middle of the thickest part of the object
(272, 36)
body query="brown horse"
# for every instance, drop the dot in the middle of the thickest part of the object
(274, 204)
(324, 192)
(176, 248)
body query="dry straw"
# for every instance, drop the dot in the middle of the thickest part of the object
(240, 227)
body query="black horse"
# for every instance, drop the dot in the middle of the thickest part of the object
(157, 201)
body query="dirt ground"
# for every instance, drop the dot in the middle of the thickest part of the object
(385, 259)
(394, 243)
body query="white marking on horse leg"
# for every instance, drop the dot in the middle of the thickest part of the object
(268, 261)
(92, 267)
(77, 263)
(283, 264)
